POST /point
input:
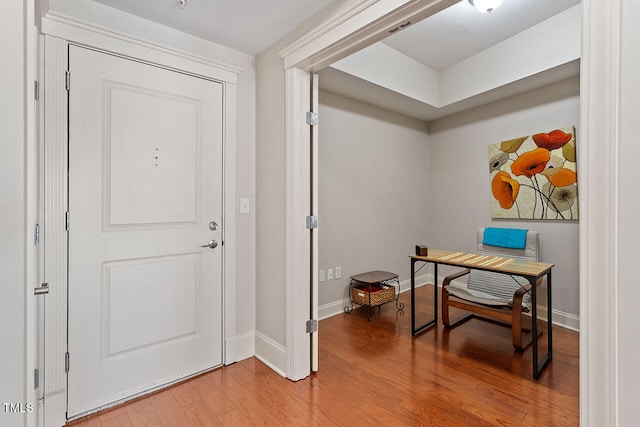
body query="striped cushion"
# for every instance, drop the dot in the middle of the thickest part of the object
(500, 286)
(489, 288)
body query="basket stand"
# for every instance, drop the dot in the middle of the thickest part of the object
(373, 289)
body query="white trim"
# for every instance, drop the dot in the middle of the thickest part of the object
(357, 25)
(598, 151)
(347, 11)
(298, 241)
(271, 354)
(229, 217)
(54, 236)
(74, 30)
(55, 192)
(245, 345)
(313, 210)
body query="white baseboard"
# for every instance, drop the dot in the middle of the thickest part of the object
(244, 347)
(337, 307)
(564, 320)
(271, 354)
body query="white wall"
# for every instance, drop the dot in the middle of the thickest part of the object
(12, 212)
(460, 187)
(373, 180)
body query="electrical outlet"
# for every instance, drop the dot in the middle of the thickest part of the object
(321, 274)
(338, 272)
(330, 274)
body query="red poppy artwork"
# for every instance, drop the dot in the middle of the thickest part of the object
(534, 177)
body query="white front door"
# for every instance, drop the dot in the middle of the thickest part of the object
(145, 192)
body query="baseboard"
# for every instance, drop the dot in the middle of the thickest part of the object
(559, 318)
(337, 307)
(271, 354)
(244, 347)
(55, 409)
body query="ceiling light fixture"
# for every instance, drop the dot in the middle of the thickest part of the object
(486, 6)
(182, 3)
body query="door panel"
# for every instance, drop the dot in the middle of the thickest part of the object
(145, 180)
(314, 233)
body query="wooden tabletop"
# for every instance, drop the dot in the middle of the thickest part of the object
(487, 262)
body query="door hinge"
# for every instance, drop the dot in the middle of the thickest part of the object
(312, 118)
(67, 220)
(67, 80)
(36, 378)
(312, 326)
(36, 90)
(66, 362)
(312, 222)
(36, 234)
(42, 290)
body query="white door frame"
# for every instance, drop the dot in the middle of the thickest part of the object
(358, 24)
(362, 22)
(59, 33)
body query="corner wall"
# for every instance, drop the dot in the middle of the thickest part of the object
(460, 187)
(373, 181)
(270, 198)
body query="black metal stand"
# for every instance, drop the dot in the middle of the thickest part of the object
(416, 330)
(369, 281)
(538, 366)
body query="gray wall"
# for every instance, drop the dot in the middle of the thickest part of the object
(460, 178)
(386, 185)
(373, 179)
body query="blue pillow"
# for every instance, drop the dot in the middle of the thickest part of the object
(514, 238)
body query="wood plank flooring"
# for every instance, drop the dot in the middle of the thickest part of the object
(376, 373)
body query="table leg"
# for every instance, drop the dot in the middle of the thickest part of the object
(539, 366)
(415, 330)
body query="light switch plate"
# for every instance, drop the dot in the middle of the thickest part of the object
(244, 205)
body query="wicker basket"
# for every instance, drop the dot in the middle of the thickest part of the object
(361, 295)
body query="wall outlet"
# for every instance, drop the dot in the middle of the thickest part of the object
(338, 272)
(330, 274)
(321, 274)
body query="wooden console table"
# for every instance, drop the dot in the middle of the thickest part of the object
(530, 270)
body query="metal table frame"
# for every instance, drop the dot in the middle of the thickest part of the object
(545, 270)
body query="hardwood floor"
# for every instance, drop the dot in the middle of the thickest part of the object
(376, 373)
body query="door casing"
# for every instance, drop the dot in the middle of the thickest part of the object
(53, 187)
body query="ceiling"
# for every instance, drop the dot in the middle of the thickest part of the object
(249, 26)
(457, 33)
(460, 31)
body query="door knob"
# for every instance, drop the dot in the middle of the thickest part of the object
(212, 244)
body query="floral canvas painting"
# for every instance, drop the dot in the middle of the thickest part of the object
(534, 177)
